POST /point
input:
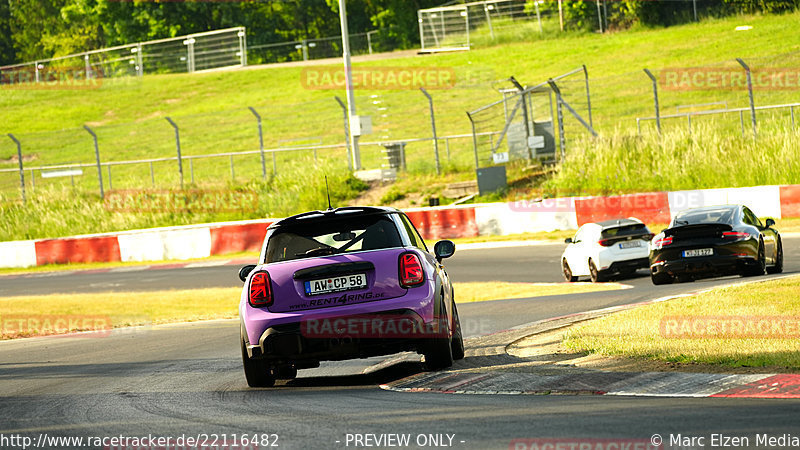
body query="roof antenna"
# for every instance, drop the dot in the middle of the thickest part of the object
(328, 191)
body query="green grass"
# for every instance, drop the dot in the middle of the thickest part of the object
(211, 110)
(644, 332)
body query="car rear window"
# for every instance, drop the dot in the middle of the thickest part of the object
(721, 215)
(325, 237)
(627, 230)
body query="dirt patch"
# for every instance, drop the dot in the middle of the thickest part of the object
(378, 190)
(25, 158)
(547, 347)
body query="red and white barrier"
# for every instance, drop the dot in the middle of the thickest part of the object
(446, 222)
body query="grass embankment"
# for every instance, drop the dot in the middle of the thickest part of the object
(755, 325)
(22, 316)
(211, 110)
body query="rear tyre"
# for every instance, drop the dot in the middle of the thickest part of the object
(457, 344)
(438, 351)
(596, 275)
(567, 271)
(660, 278)
(761, 263)
(778, 267)
(257, 372)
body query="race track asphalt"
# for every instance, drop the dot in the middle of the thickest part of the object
(186, 379)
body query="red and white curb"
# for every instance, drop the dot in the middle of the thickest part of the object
(573, 381)
(446, 222)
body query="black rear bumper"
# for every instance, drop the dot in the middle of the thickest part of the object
(629, 265)
(705, 266)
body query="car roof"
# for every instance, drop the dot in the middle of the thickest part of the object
(618, 223)
(335, 213)
(708, 208)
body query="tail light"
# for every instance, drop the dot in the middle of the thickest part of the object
(606, 242)
(735, 235)
(662, 242)
(411, 273)
(260, 290)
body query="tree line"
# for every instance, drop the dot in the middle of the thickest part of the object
(37, 29)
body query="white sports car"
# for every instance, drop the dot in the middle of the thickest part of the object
(604, 249)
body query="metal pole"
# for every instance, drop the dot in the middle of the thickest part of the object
(88, 66)
(599, 17)
(561, 15)
(689, 122)
(191, 169)
(539, 19)
(560, 114)
(433, 127)
(346, 133)
(348, 70)
(447, 148)
(369, 41)
(178, 146)
(152, 175)
(588, 95)
(488, 19)
(655, 99)
(750, 92)
(22, 171)
(33, 181)
(474, 140)
(139, 61)
(791, 109)
(233, 173)
(524, 115)
(97, 158)
(741, 121)
(110, 186)
(694, 7)
(261, 147)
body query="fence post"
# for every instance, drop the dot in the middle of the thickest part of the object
(97, 158)
(560, 116)
(178, 146)
(242, 47)
(139, 60)
(110, 185)
(261, 147)
(488, 19)
(474, 140)
(433, 126)
(539, 18)
(233, 173)
(750, 93)
(655, 99)
(528, 133)
(599, 17)
(588, 96)
(21, 170)
(152, 174)
(346, 133)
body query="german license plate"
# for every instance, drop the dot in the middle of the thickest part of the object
(336, 284)
(698, 252)
(630, 244)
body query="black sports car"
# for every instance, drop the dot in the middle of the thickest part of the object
(715, 240)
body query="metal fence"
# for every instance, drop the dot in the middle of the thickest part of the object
(455, 27)
(190, 53)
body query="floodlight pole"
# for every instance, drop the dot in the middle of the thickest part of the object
(348, 71)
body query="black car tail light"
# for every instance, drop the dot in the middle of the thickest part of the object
(735, 235)
(260, 293)
(411, 272)
(662, 242)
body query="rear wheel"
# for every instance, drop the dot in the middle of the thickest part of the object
(596, 275)
(457, 344)
(257, 372)
(567, 271)
(778, 267)
(438, 351)
(660, 278)
(761, 263)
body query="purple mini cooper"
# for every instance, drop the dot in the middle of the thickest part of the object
(345, 283)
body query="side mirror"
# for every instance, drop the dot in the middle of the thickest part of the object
(568, 241)
(444, 249)
(245, 271)
(769, 223)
